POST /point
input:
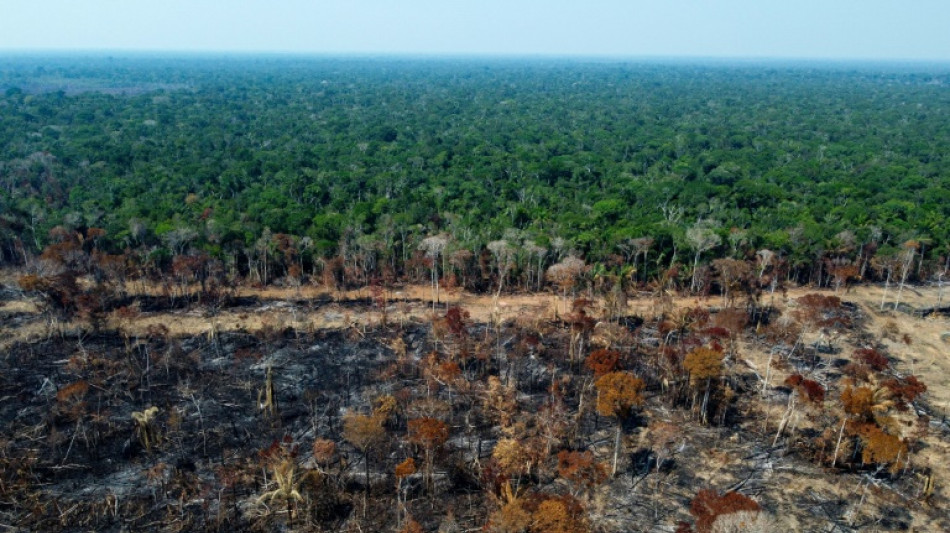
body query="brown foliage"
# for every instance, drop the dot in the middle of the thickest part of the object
(703, 363)
(61, 292)
(159, 331)
(603, 361)
(881, 448)
(812, 391)
(500, 402)
(279, 451)
(68, 254)
(93, 234)
(448, 371)
(844, 273)
(559, 514)
(428, 432)
(511, 518)
(904, 390)
(717, 332)
(493, 478)
(406, 468)
(709, 505)
(455, 318)
(324, 451)
(411, 526)
(384, 407)
(362, 431)
(872, 358)
(821, 311)
(31, 282)
(697, 316)
(858, 401)
(618, 393)
(580, 469)
(857, 371)
(809, 390)
(511, 456)
(732, 320)
(127, 312)
(72, 392)
(819, 302)
(579, 320)
(70, 400)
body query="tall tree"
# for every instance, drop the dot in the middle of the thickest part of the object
(617, 394)
(701, 237)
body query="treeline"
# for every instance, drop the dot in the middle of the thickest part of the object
(342, 170)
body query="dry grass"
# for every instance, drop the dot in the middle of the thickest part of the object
(17, 307)
(922, 352)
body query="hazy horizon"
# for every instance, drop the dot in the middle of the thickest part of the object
(847, 30)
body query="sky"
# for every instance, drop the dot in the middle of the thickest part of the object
(800, 29)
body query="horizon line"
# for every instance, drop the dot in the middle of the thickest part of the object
(9, 52)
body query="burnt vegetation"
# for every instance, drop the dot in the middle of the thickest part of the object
(583, 420)
(722, 404)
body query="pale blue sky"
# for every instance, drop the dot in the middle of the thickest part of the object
(826, 29)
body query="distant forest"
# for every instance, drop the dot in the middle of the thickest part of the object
(478, 171)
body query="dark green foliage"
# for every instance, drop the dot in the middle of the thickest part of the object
(596, 153)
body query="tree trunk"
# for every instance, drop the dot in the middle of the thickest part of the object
(692, 284)
(785, 419)
(616, 448)
(900, 289)
(703, 407)
(366, 470)
(435, 285)
(834, 458)
(887, 284)
(939, 291)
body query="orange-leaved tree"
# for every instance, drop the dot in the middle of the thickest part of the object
(403, 470)
(429, 434)
(882, 448)
(559, 514)
(581, 470)
(617, 394)
(365, 432)
(603, 361)
(513, 458)
(703, 364)
(867, 420)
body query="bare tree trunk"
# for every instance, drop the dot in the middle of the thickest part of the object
(705, 403)
(785, 419)
(435, 285)
(939, 290)
(887, 284)
(617, 449)
(768, 371)
(692, 284)
(905, 271)
(540, 271)
(900, 289)
(834, 458)
(646, 255)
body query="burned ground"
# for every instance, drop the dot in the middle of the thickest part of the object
(138, 426)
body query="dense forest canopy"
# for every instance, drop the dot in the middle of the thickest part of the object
(208, 154)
